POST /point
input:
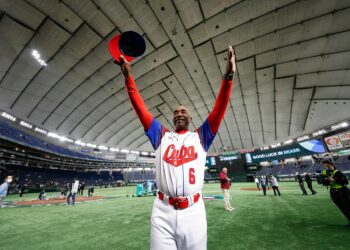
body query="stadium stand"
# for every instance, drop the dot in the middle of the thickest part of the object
(33, 176)
(140, 176)
(16, 135)
(289, 169)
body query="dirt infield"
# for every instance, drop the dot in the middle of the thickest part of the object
(56, 201)
(249, 189)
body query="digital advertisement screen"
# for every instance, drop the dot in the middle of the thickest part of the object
(309, 147)
(338, 141)
(211, 161)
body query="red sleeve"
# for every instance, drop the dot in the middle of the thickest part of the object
(216, 115)
(139, 106)
(222, 176)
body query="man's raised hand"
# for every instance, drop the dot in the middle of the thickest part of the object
(125, 67)
(231, 61)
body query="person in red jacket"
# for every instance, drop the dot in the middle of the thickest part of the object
(225, 187)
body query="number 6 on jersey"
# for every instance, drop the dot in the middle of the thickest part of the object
(191, 177)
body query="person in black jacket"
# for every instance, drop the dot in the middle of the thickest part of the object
(308, 181)
(339, 191)
(263, 184)
(82, 187)
(301, 183)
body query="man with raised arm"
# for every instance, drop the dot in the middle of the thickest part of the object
(178, 216)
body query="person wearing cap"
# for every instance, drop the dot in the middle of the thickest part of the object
(4, 188)
(225, 187)
(338, 188)
(178, 218)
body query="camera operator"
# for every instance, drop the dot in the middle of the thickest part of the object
(338, 182)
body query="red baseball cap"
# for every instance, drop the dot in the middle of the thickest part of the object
(129, 44)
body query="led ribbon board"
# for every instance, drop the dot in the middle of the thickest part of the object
(309, 147)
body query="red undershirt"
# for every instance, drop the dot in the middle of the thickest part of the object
(214, 119)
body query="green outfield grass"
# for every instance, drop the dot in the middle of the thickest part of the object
(291, 221)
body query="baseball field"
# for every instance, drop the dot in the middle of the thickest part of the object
(115, 221)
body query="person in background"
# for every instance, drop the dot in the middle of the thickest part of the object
(68, 187)
(4, 188)
(267, 182)
(42, 195)
(339, 191)
(257, 182)
(21, 188)
(274, 185)
(308, 181)
(73, 192)
(225, 187)
(90, 190)
(301, 183)
(263, 184)
(79, 188)
(82, 187)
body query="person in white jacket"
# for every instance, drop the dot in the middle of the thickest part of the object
(256, 180)
(274, 184)
(4, 188)
(73, 192)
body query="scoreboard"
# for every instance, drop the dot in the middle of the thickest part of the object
(231, 160)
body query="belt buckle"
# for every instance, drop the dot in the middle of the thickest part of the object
(177, 202)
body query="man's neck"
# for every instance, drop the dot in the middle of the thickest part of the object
(181, 131)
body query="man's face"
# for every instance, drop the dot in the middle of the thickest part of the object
(181, 118)
(329, 166)
(9, 179)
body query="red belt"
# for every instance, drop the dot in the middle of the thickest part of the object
(179, 202)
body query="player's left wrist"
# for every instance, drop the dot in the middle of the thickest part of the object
(228, 76)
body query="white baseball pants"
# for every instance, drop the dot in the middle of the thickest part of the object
(173, 229)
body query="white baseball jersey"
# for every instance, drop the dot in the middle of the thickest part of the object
(180, 158)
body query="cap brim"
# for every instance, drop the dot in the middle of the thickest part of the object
(114, 49)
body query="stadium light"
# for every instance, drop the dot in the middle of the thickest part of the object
(302, 138)
(276, 145)
(125, 151)
(144, 153)
(153, 154)
(288, 142)
(320, 132)
(26, 124)
(91, 145)
(114, 149)
(134, 152)
(59, 137)
(40, 130)
(37, 57)
(63, 139)
(102, 147)
(50, 134)
(78, 142)
(8, 116)
(339, 125)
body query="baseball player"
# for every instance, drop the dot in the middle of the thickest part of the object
(178, 217)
